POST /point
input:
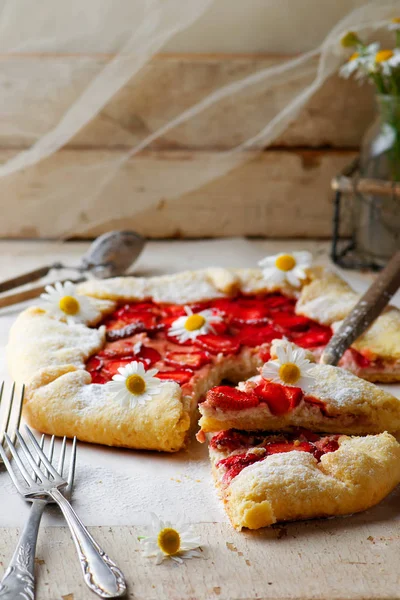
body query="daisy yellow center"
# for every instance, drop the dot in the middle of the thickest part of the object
(69, 305)
(194, 322)
(354, 56)
(285, 262)
(135, 384)
(289, 373)
(383, 55)
(396, 20)
(169, 541)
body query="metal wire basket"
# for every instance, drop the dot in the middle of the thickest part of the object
(370, 209)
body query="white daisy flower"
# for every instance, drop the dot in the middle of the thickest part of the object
(286, 267)
(394, 61)
(133, 385)
(361, 62)
(385, 61)
(291, 368)
(62, 302)
(191, 325)
(394, 25)
(168, 541)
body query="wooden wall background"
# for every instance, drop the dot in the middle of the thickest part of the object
(292, 177)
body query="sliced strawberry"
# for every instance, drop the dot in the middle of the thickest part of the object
(111, 366)
(325, 445)
(172, 311)
(251, 312)
(236, 463)
(361, 360)
(291, 322)
(119, 348)
(316, 336)
(193, 360)
(232, 439)
(280, 399)
(181, 376)
(280, 447)
(230, 398)
(128, 312)
(94, 364)
(264, 354)
(255, 336)
(279, 302)
(218, 343)
(120, 330)
(198, 306)
(98, 377)
(224, 305)
(147, 355)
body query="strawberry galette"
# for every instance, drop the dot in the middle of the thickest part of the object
(291, 390)
(125, 361)
(265, 477)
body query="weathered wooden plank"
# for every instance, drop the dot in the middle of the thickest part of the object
(353, 559)
(277, 194)
(336, 116)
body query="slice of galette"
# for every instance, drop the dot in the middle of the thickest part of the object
(291, 390)
(265, 477)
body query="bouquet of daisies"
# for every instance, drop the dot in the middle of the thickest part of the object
(369, 61)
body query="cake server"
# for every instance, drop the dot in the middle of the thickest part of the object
(367, 309)
(108, 256)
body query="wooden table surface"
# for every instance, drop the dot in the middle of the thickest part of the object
(355, 557)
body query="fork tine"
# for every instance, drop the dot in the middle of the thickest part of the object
(19, 462)
(10, 414)
(11, 470)
(5, 411)
(50, 454)
(62, 456)
(16, 412)
(71, 471)
(30, 458)
(40, 453)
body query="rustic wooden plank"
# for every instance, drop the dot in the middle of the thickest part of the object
(353, 558)
(336, 116)
(276, 194)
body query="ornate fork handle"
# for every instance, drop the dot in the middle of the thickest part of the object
(19, 579)
(101, 574)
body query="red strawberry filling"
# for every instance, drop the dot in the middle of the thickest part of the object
(218, 344)
(361, 360)
(253, 336)
(247, 321)
(280, 398)
(181, 376)
(230, 398)
(194, 360)
(266, 445)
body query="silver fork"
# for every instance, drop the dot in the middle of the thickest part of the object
(101, 574)
(19, 579)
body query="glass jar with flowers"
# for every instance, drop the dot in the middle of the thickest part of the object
(375, 215)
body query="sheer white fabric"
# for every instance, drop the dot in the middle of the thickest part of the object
(132, 32)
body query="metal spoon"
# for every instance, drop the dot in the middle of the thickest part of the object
(109, 255)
